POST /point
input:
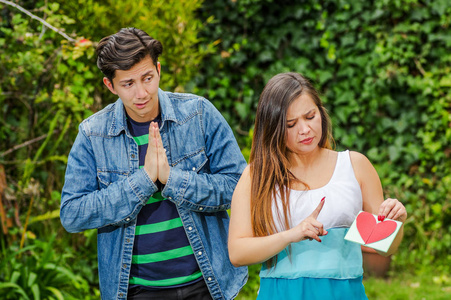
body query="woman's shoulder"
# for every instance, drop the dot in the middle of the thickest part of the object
(354, 155)
(247, 171)
(360, 163)
(358, 158)
(245, 181)
(243, 187)
(246, 175)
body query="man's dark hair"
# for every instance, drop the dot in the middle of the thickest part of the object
(122, 50)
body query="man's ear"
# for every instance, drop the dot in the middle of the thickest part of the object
(159, 68)
(109, 85)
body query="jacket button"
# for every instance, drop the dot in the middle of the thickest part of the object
(169, 198)
(133, 155)
(121, 295)
(200, 252)
(209, 278)
(194, 169)
(128, 219)
(128, 240)
(201, 208)
(190, 228)
(125, 266)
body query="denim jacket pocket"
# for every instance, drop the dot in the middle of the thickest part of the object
(196, 162)
(106, 177)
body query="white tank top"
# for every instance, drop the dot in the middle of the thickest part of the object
(343, 199)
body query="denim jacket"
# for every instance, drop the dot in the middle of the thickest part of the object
(105, 189)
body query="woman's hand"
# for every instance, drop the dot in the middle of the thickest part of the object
(310, 228)
(392, 209)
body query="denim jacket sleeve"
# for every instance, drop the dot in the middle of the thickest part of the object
(85, 205)
(209, 192)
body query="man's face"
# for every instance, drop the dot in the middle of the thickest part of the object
(138, 89)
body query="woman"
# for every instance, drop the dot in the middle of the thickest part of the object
(300, 196)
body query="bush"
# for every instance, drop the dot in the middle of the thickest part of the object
(383, 68)
(49, 84)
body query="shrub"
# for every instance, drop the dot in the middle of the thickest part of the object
(383, 68)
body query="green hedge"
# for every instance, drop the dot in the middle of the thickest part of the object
(48, 85)
(383, 68)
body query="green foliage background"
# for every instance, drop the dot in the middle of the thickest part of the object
(382, 66)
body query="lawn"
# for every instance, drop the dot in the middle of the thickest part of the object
(427, 286)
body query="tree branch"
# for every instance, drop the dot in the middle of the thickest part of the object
(27, 142)
(418, 64)
(37, 18)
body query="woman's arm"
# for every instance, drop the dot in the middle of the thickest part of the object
(244, 247)
(373, 197)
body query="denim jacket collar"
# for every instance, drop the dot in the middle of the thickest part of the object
(119, 122)
(166, 107)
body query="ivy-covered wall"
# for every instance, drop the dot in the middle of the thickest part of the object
(383, 68)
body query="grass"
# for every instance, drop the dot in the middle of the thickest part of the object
(427, 286)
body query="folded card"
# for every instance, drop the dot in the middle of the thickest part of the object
(367, 230)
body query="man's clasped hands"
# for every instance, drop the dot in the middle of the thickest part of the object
(156, 162)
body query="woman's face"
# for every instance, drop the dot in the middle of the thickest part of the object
(304, 130)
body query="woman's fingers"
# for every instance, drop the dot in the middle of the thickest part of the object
(318, 226)
(317, 210)
(311, 235)
(313, 230)
(392, 209)
(398, 213)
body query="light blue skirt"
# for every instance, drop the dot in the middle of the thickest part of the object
(328, 270)
(311, 289)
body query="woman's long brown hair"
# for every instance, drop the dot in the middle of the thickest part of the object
(269, 164)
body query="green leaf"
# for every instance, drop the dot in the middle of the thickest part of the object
(15, 276)
(54, 6)
(31, 278)
(445, 81)
(242, 109)
(47, 216)
(55, 292)
(394, 152)
(15, 288)
(36, 291)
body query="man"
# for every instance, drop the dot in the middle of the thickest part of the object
(154, 172)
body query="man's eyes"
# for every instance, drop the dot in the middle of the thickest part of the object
(129, 84)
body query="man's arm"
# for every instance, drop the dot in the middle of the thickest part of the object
(209, 192)
(84, 205)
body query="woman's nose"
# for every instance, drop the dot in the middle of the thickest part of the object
(303, 128)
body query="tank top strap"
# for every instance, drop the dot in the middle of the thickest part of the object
(343, 168)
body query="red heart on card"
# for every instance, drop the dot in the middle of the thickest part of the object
(371, 231)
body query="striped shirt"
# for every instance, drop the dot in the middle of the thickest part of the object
(162, 254)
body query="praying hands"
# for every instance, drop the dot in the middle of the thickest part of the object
(156, 162)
